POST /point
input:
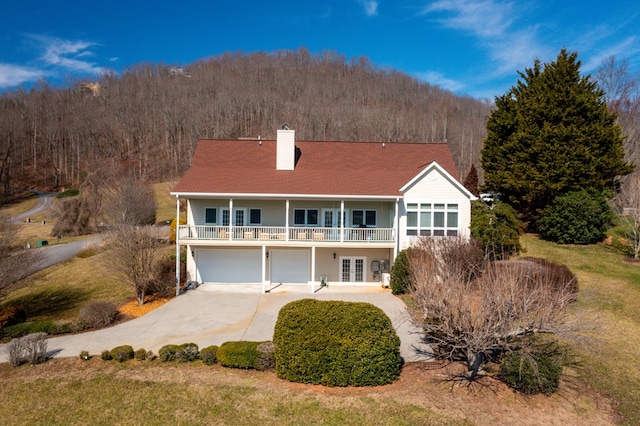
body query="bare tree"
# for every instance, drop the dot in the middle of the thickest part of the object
(130, 201)
(627, 208)
(472, 310)
(16, 259)
(135, 256)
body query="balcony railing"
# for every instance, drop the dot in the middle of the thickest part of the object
(279, 233)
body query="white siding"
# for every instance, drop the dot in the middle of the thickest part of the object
(434, 187)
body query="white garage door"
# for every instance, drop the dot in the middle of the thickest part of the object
(229, 266)
(289, 266)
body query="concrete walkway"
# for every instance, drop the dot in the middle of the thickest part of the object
(214, 314)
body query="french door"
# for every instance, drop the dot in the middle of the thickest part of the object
(352, 269)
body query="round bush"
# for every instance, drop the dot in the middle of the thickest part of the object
(98, 314)
(187, 352)
(240, 354)
(168, 353)
(208, 355)
(122, 353)
(336, 343)
(106, 355)
(84, 355)
(531, 374)
(580, 217)
(140, 355)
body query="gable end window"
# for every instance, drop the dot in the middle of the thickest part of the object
(211, 215)
(432, 219)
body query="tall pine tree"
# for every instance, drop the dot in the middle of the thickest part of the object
(551, 134)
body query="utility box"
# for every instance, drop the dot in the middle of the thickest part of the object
(41, 243)
(386, 279)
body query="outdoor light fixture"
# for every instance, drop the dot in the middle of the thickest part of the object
(267, 255)
(334, 254)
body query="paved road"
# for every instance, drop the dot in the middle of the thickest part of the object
(214, 314)
(45, 201)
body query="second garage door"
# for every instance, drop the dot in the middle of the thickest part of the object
(229, 266)
(289, 266)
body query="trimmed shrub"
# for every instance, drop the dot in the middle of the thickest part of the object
(48, 327)
(168, 353)
(336, 343)
(187, 352)
(31, 348)
(12, 315)
(208, 355)
(558, 275)
(122, 353)
(267, 358)
(106, 355)
(241, 354)
(140, 355)
(84, 355)
(400, 273)
(580, 217)
(97, 314)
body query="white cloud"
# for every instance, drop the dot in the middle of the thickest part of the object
(492, 23)
(370, 7)
(436, 78)
(15, 75)
(68, 54)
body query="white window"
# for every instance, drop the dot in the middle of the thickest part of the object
(210, 215)
(432, 219)
(305, 217)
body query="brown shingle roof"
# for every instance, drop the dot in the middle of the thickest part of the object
(324, 168)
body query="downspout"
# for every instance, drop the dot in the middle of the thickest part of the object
(177, 245)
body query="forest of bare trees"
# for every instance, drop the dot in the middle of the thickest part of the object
(148, 120)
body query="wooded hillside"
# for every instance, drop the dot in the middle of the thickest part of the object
(148, 120)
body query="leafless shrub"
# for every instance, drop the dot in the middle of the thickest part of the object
(31, 348)
(473, 311)
(98, 314)
(266, 358)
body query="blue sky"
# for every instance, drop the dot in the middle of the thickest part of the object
(469, 47)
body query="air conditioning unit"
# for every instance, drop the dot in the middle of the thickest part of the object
(386, 279)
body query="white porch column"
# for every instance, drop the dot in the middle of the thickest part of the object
(264, 267)
(341, 221)
(231, 218)
(313, 269)
(396, 229)
(177, 245)
(286, 221)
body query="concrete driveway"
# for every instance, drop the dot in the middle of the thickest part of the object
(212, 315)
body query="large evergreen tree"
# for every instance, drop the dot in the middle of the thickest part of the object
(551, 134)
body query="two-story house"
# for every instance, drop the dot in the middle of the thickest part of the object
(277, 212)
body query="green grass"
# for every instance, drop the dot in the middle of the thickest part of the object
(166, 204)
(99, 392)
(59, 292)
(609, 290)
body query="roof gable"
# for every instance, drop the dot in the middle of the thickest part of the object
(323, 168)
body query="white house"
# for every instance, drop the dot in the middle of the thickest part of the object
(277, 212)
